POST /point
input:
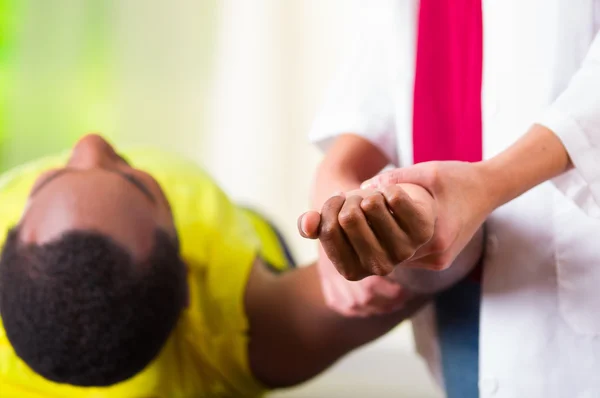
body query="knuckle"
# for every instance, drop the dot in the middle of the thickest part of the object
(440, 243)
(349, 218)
(396, 197)
(348, 274)
(384, 179)
(332, 203)
(328, 231)
(362, 300)
(388, 180)
(377, 266)
(432, 176)
(439, 263)
(372, 204)
(437, 246)
(403, 253)
(353, 276)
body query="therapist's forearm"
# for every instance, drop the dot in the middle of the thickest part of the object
(535, 158)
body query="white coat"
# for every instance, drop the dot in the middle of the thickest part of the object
(540, 310)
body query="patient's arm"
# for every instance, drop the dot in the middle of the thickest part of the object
(294, 335)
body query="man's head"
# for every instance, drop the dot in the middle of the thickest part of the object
(91, 282)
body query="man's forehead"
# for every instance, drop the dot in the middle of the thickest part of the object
(115, 209)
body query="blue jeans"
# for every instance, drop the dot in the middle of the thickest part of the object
(457, 315)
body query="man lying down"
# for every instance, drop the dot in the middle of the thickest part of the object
(135, 276)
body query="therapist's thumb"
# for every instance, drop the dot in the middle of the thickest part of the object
(308, 224)
(417, 174)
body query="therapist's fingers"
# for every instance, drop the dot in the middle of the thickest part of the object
(308, 224)
(415, 215)
(420, 174)
(373, 258)
(335, 243)
(396, 242)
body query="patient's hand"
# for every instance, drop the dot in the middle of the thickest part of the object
(368, 232)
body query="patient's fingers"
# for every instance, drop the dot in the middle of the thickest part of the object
(308, 224)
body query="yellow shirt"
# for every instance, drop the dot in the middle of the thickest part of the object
(206, 355)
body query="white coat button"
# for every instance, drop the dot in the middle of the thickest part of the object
(488, 386)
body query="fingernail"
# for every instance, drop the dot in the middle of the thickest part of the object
(339, 193)
(367, 185)
(303, 228)
(301, 225)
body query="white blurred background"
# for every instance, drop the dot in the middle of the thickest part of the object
(234, 84)
(274, 60)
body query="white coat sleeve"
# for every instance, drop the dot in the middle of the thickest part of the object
(575, 118)
(363, 97)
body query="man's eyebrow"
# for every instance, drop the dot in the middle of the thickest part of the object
(47, 180)
(128, 177)
(137, 183)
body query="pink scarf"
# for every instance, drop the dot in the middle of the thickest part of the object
(447, 92)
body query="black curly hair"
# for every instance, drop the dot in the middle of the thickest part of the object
(80, 311)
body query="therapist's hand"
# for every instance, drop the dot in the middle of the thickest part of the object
(463, 202)
(466, 193)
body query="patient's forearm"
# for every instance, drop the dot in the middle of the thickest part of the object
(295, 335)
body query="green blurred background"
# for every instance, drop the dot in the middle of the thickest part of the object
(124, 68)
